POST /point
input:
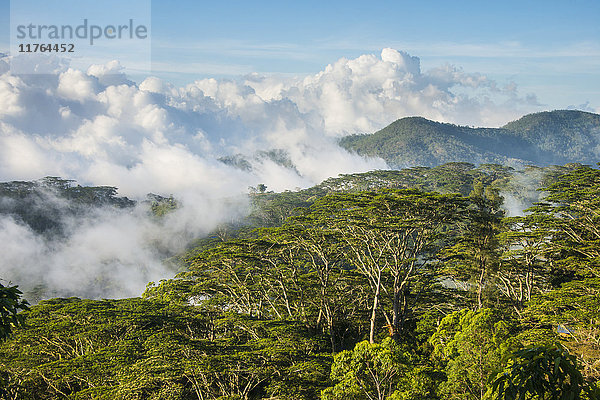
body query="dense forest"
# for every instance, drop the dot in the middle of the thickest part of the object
(411, 284)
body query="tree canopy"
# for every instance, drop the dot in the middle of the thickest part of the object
(357, 289)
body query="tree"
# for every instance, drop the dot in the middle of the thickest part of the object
(148, 349)
(471, 346)
(10, 305)
(574, 203)
(524, 259)
(368, 372)
(389, 237)
(573, 307)
(549, 373)
(330, 289)
(571, 212)
(475, 256)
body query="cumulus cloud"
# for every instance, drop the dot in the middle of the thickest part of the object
(76, 85)
(92, 122)
(369, 92)
(100, 128)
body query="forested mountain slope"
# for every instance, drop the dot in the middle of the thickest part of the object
(556, 137)
(567, 134)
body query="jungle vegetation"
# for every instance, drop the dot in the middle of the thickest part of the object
(412, 284)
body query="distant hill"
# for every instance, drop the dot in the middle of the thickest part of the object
(556, 137)
(44, 205)
(568, 134)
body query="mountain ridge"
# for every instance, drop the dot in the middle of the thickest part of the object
(550, 137)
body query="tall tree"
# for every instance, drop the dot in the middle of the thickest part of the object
(330, 288)
(475, 255)
(471, 346)
(523, 263)
(389, 238)
(368, 372)
(574, 202)
(572, 212)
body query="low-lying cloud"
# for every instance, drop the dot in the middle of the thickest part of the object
(103, 251)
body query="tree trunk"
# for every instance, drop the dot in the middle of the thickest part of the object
(374, 313)
(395, 328)
(480, 287)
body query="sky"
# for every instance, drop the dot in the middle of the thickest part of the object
(547, 48)
(228, 80)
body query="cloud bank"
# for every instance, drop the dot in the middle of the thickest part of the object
(100, 128)
(104, 252)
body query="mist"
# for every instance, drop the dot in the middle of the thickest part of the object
(523, 190)
(104, 251)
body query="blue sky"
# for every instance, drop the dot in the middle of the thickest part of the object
(549, 48)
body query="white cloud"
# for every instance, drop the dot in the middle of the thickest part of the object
(10, 96)
(104, 253)
(76, 85)
(22, 156)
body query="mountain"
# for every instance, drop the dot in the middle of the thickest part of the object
(569, 134)
(556, 137)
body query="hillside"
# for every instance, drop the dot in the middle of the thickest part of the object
(555, 137)
(567, 134)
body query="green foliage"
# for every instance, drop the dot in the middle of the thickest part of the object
(142, 349)
(161, 206)
(567, 134)
(283, 311)
(43, 204)
(571, 312)
(523, 271)
(573, 202)
(474, 256)
(10, 306)
(418, 141)
(471, 346)
(454, 177)
(272, 209)
(540, 372)
(369, 371)
(569, 220)
(308, 268)
(388, 370)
